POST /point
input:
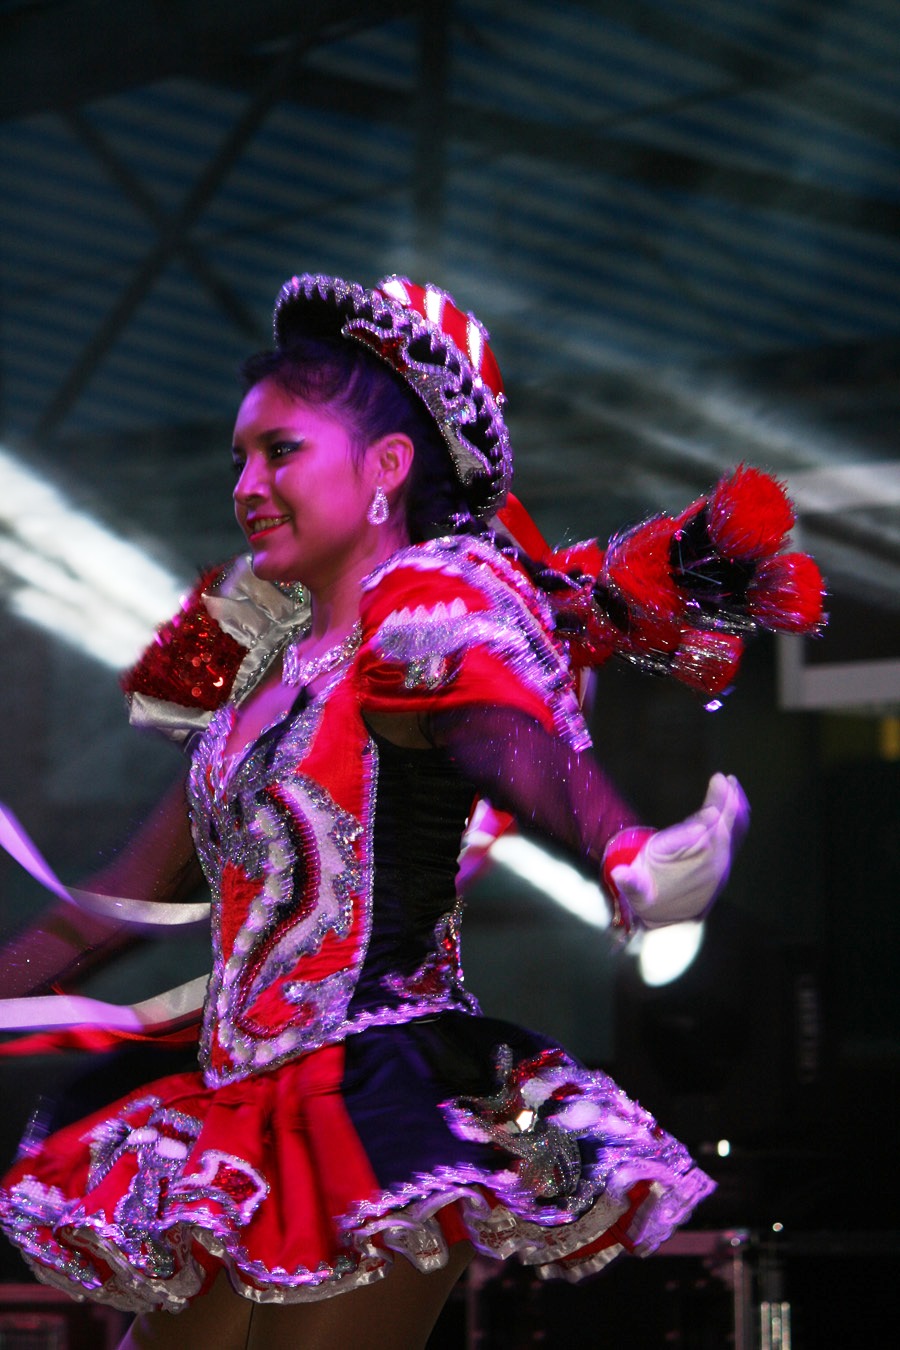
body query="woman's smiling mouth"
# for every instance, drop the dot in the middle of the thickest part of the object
(261, 525)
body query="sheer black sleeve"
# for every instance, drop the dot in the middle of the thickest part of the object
(549, 788)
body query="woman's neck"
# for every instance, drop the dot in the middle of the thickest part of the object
(334, 604)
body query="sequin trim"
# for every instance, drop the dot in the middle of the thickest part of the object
(438, 981)
(570, 1147)
(542, 1108)
(108, 1264)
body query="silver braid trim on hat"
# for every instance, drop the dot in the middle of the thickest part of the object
(453, 392)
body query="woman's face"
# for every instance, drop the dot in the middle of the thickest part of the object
(300, 497)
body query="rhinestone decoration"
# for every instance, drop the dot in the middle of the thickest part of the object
(297, 672)
(283, 864)
(440, 975)
(495, 608)
(568, 1135)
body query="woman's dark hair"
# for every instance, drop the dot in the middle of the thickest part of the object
(371, 401)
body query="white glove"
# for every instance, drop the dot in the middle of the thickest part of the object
(679, 871)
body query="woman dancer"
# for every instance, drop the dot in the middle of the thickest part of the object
(356, 1127)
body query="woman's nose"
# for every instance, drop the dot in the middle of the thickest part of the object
(248, 486)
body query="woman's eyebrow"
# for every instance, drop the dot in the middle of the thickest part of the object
(273, 434)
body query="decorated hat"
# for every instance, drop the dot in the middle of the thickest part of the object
(442, 354)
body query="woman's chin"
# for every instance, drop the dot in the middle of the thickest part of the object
(268, 569)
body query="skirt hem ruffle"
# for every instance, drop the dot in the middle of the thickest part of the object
(301, 1185)
(89, 1258)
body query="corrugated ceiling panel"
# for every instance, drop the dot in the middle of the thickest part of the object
(622, 267)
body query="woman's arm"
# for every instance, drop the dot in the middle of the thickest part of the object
(157, 863)
(454, 656)
(654, 878)
(534, 775)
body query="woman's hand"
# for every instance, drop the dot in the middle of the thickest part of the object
(678, 872)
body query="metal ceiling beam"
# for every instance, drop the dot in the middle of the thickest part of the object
(172, 239)
(60, 55)
(593, 152)
(653, 431)
(128, 182)
(431, 123)
(660, 168)
(740, 68)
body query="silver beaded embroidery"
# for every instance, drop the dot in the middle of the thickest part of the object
(309, 862)
(542, 1107)
(265, 818)
(511, 620)
(438, 980)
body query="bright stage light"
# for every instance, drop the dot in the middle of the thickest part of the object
(558, 880)
(665, 953)
(68, 574)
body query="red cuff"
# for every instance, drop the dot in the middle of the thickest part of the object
(621, 850)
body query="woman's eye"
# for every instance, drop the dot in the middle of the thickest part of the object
(279, 449)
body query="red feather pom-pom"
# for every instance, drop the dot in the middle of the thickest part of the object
(707, 661)
(787, 594)
(748, 515)
(585, 559)
(191, 661)
(638, 570)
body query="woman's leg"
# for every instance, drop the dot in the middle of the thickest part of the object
(219, 1320)
(398, 1312)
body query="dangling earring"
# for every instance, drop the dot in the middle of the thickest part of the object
(379, 508)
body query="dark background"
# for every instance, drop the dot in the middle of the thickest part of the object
(680, 223)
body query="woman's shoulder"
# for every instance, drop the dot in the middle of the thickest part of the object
(216, 647)
(465, 570)
(454, 621)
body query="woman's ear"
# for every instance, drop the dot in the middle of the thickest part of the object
(389, 460)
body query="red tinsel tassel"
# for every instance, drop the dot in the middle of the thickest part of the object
(590, 638)
(707, 661)
(637, 571)
(587, 634)
(787, 594)
(584, 558)
(748, 515)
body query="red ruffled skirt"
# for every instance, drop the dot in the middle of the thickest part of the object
(306, 1180)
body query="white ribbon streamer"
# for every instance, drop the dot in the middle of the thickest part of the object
(261, 618)
(55, 1012)
(145, 914)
